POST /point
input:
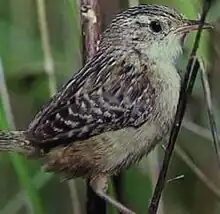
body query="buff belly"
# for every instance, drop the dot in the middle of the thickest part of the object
(105, 154)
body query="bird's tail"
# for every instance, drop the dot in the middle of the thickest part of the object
(15, 141)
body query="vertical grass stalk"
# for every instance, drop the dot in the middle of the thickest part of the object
(49, 69)
(91, 28)
(34, 204)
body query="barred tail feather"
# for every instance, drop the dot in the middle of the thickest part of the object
(15, 141)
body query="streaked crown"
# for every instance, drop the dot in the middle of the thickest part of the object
(149, 28)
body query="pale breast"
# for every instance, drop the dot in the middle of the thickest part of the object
(167, 84)
(127, 146)
(130, 144)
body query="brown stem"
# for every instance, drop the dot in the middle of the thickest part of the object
(90, 23)
(186, 90)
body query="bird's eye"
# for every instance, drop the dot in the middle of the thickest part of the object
(155, 26)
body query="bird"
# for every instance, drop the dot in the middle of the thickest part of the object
(117, 107)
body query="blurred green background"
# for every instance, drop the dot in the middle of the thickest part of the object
(24, 188)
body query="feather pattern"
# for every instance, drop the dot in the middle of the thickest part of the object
(105, 95)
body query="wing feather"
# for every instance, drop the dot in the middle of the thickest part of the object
(104, 95)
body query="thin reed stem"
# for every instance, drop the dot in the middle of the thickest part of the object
(213, 126)
(91, 28)
(33, 201)
(50, 71)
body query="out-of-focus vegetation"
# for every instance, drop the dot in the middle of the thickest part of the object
(24, 188)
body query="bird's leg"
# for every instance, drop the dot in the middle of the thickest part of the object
(100, 186)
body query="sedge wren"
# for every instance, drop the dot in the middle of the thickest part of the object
(117, 107)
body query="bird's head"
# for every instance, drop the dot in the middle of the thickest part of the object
(154, 30)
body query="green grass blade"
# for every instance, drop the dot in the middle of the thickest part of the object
(18, 161)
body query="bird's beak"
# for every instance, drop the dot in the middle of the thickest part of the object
(192, 25)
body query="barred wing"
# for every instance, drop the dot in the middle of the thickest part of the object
(105, 95)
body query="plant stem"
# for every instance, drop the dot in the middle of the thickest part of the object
(50, 71)
(91, 28)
